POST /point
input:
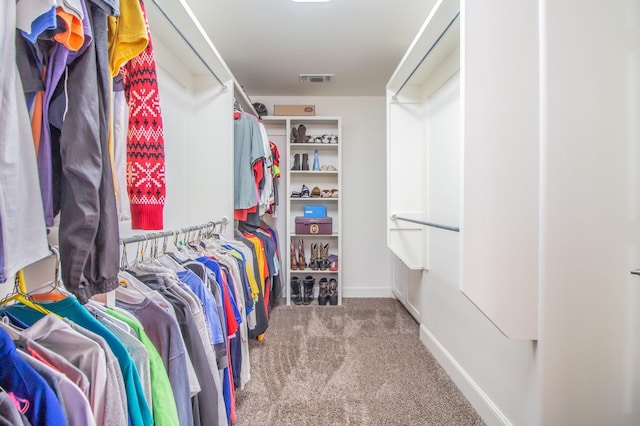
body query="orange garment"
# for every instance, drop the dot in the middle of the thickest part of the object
(36, 119)
(73, 36)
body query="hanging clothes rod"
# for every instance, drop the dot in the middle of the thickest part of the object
(421, 222)
(175, 27)
(435, 43)
(162, 234)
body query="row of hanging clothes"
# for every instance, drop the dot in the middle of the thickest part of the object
(170, 346)
(81, 135)
(256, 169)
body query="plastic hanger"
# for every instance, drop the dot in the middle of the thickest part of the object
(57, 292)
(20, 295)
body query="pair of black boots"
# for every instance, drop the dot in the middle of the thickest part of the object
(298, 165)
(302, 290)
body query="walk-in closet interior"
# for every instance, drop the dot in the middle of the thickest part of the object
(173, 175)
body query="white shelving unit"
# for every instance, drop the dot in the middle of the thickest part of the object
(329, 154)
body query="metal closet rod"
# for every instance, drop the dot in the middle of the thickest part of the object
(435, 43)
(175, 27)
(156, 235)
(422, 222)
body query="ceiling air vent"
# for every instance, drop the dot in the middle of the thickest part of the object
(315, 78)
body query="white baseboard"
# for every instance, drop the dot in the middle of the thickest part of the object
(489, 412)
(367, 292)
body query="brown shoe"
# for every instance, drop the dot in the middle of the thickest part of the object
(314, 261)
(324, 256)
(294, 260)
(302, 263)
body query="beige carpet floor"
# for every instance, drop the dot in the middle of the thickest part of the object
(357, 364)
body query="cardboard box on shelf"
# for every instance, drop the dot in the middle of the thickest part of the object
(294, 110)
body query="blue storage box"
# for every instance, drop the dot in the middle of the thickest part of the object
(315, 211)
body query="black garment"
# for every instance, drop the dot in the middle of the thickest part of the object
(89, 246)
(262, 321)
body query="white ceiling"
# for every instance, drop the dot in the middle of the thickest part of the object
(267, 43)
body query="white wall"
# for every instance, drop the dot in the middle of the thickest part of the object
(198, 135)
(590, 341)
(366, 261)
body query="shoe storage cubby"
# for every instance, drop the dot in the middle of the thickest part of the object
(311, 172)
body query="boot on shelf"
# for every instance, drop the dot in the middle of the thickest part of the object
(305, 162)
(323, 293)
(314, 261)
(296, 162)
(333, 291)
(296, 291)
(302, 263)
(294, 257)
(324, 256)
(308, 284)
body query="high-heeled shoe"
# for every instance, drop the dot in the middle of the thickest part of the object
(302, 263)
(307, 285)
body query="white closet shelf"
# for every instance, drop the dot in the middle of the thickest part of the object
(315, 145)
(313, 172)
(311, 271)
(303, 236)
(313, 199)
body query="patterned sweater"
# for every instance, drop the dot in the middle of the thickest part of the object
(145, 140)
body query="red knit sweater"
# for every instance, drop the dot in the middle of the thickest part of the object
(145, 140)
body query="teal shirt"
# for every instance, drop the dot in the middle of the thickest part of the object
(165, 412)
(138, 409)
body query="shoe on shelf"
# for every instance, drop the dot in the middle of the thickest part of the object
(307, 285)
(333, 262)
(333, 291)
(296, 291)
(314, 260)
(294, 258)
(296, 162)
(334, 193)
(305, 161)
(315, 192)
(323, 261)
(304, 193)
(302, 263)
(302, 133)
(294, 135)
(325, 193)
(323, 293)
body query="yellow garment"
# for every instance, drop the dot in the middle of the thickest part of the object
(128, 35)
(262, 265)
(248, 271)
